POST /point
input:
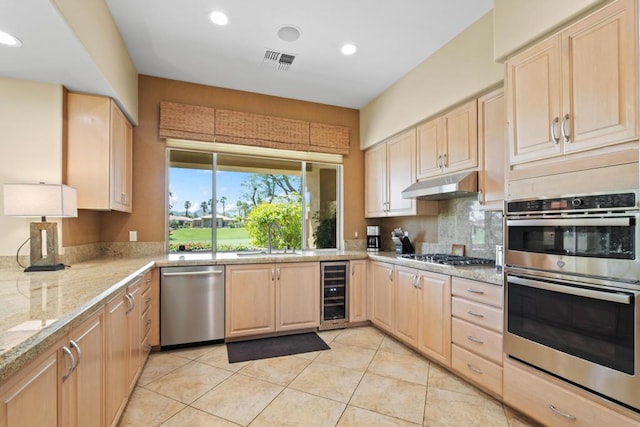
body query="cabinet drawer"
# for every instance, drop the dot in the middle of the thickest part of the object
(477, 291)
(478, 370)
(146, 299)
(146, 281)
(544, 399)
(146, 322)
(481, 341)
(476, 313)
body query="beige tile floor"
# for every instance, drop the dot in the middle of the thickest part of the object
(366, 379)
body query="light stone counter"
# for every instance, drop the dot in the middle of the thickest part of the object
(37, 309)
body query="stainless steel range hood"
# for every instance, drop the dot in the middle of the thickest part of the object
(446, 187)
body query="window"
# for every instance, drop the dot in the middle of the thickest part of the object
(237, 203)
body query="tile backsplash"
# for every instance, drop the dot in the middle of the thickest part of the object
(459, 221)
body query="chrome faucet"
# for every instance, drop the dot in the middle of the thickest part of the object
(272, 224)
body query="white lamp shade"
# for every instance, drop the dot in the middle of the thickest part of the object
(37, 200)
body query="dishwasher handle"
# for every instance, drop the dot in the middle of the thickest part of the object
(193, 273)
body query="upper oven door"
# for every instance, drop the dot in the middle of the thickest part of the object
(603, 246)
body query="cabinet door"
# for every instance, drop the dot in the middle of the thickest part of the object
(461, 138)
(298, 296)
(435, 316)
(401, 173)
(430, 143)
(382, 295)
(30, 397)
(600, 78)
(406, 305)
(250, 300)
(491, 131)
(358, 291)
(375, 181)
(135, 327)
(117, 357)
(533, 102)
(121, 160)
(83, 392)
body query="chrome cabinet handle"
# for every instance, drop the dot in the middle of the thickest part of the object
(273, 274)
(133, 301)
(474, 339)
(147, 348)
(278, 273)
(474, 369)
(563, 128)
(475, 291)
(129, 301)
(439, 163)
(473, 313)
(554, 135)
(147, 300)
(391, 275)
(78, 352)
(66, 351)
(445, 163)
(562, 413)
(148, 322)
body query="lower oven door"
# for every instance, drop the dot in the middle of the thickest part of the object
(582, 332)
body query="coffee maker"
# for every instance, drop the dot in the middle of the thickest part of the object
(373, 238)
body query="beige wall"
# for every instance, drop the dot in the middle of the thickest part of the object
(31, 121)
(149, 153)
(93, 24)
(520, 22)
(461, 69)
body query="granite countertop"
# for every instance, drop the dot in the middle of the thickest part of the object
(39, 308)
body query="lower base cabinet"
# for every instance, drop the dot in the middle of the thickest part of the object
(553, 403)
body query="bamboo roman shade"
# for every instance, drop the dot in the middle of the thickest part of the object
(235, 127)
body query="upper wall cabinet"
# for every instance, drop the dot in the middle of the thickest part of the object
(577, 90)
(99, 153)
(491, 141)
(448, 143)
(389, 169)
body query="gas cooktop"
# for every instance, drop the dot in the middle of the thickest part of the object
(446, 259)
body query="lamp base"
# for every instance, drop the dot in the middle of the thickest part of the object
(53, 267)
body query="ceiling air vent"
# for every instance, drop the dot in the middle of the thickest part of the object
(278, 60)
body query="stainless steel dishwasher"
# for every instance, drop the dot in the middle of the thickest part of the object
(191, 305)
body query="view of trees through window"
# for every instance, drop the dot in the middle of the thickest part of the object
(249, 199)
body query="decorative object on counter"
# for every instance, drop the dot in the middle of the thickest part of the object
(457, 250)
(41, 200)
(373, 238)
(265, 348)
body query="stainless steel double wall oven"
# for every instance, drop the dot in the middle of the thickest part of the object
(572, 281)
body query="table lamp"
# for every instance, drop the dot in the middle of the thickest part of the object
(41, 200)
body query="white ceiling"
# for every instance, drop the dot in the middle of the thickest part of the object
(175, 40)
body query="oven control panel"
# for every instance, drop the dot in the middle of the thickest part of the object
(578, 203)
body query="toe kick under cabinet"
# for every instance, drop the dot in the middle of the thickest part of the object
(476, 332)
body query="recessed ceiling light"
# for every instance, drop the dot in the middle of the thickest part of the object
(8, 40)
(218, 18)
(288, 33)
(348, 49)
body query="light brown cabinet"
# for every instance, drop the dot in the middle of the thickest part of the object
(576, 90)
(477, 333)
(448, 143)
(382, 295)
(390, 168)
(492, 128)
(407, 305)
(64, 386)
(269, 298)
(434, 331)
(99, 153)
(358, 291)
(124, 355)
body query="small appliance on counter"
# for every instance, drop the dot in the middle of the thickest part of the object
(402, 242)
(373, 238)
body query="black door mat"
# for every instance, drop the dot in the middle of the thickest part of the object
(264, 348)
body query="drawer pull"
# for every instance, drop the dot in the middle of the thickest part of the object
(474, 369)
(72, 365)
(475, 291)
(474, 339)
(147, 348)
(473, 313)
(148, 322)
(147, 300)
(562, 413)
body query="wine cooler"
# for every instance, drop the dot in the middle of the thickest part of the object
(335, 281)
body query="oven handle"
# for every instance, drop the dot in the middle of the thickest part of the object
(573, 222)
(588, 293)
